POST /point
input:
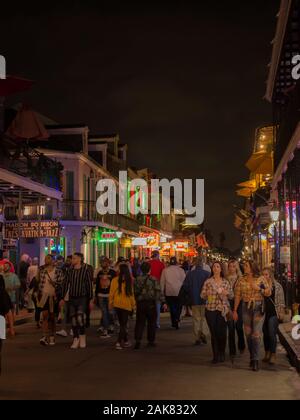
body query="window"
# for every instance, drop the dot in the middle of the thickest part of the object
(70, 185)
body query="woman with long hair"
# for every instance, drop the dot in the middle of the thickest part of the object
(274, 309)
(121, 298)
(217, 291)
(252, 290)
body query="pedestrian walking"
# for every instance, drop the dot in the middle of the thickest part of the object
(216, 292)
(147, 293)
(5, 309)
(22, 272)
(50, 281)
(12, 286)
(192, 286)
(172, 279)
(157, 267)
(103, 282)
(274, 310)
(234, 275)
(121, 299)
(31, 274)
(252, 289)
(78, 291)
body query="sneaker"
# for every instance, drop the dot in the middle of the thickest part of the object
(62, 333)
(100, 330)
(71, 332)
(119, 347)
(44, 341)
(127, 345)
(104, 335)
(52, 341)
(75, 344)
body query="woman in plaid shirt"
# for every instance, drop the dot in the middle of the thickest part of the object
(252, 289)
(217, 291)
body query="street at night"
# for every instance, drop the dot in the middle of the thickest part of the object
(175, 370)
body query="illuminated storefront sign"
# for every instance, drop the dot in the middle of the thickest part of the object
(107, 237)
(43, 229)
(181, 246)
(126, 242)
(139, 242)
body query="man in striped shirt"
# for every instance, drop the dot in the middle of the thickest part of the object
(78, 289)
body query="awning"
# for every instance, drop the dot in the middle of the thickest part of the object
(261, 163)
(249, 184)
(245, 192)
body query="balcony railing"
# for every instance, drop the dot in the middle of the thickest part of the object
(81, 211)
(25, 161)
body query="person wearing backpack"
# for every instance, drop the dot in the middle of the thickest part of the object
(147, 294)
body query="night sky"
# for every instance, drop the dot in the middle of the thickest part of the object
(182, 84)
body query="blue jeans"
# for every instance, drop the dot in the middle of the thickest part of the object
(175, 309)
(236, 328)
(270, 334)
(253, 323)
(77, 311)
(106, 318)
(158, 306)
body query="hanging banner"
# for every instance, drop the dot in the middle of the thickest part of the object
(43, 229)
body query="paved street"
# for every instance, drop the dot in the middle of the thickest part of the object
(174, 370)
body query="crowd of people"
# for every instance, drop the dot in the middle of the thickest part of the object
(240, 304)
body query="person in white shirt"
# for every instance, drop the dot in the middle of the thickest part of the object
(171, 281)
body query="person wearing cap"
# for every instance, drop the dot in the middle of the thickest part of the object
(157, 268)
(172, 279)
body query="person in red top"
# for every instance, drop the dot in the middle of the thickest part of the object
(157, 268)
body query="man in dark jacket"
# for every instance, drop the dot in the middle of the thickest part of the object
(192, 285)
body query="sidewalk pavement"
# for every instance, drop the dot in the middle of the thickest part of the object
(23, 317)
(291, 346)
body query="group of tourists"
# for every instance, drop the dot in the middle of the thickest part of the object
(247, 305)
(235, 302)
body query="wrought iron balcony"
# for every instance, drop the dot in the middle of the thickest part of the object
(21, 159)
